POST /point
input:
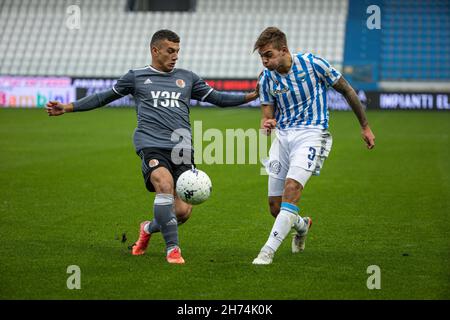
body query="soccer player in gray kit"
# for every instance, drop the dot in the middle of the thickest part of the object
(162, 94)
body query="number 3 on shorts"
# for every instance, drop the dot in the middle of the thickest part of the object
(312, 155)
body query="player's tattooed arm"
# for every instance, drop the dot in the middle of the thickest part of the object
(344, 88)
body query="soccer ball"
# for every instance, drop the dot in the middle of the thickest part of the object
(194, 186)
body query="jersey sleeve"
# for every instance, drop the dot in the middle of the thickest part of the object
(325, 70)
(200, 89)
(265, 97)
(125, 85)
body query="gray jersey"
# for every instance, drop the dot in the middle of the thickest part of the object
(162, 105)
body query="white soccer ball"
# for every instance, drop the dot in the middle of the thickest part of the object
(194, 186)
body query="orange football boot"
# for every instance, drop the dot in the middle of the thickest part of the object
(141, 245)
(174, 256)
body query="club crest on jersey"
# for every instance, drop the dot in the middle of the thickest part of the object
(180, 83)
(275, 166)
(153, 163)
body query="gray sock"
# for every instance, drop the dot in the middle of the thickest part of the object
(154, 226)
(165, 217)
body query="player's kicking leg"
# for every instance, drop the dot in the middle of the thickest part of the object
(299, 237)
(286, 219)
(164, 215)
(183, 211)
(309, 149)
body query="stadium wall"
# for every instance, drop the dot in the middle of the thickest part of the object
(35, 92)
(362, 46)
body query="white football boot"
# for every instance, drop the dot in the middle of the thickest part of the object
(298, 240)
(263, 258)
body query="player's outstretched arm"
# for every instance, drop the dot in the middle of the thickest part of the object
(344, 88)
(55, 108)
(255, 93)
(222, 99)
(251, 96)
(203, 92)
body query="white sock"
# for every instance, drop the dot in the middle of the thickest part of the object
(281, 227)
(146, 226)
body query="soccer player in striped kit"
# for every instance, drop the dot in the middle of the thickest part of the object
(293, 101)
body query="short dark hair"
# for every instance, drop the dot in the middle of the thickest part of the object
(271, 35)
(164, 35)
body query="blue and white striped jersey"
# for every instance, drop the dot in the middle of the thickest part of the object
(299, 97)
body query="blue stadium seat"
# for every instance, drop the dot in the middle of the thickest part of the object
(415, 40)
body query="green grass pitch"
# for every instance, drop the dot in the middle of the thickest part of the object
(71, 186)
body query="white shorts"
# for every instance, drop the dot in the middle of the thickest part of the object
(296, 154)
